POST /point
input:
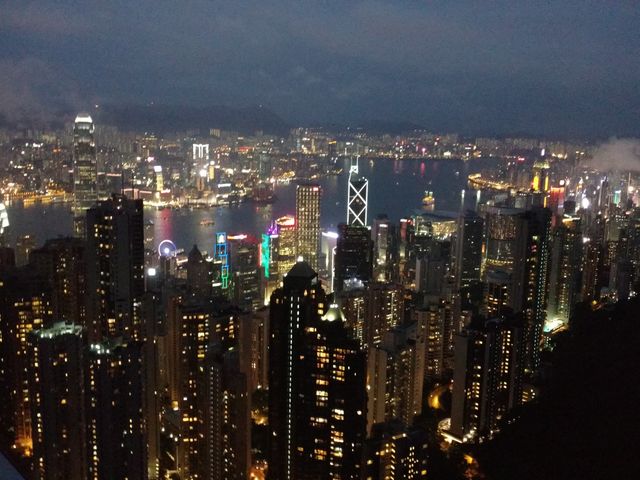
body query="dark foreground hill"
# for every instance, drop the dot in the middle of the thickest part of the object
(587, 424)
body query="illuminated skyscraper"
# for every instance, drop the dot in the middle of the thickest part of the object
(308, 218)
(468, 249)
(85, 170)
(516, 256)
(24, 307)
(357, 197)
(286, 228)
(354, 255)
(384, 310)
(298, 304)
(487, 378)
(225, 409)
(565, 272)
(114, 411)
(115, 267)
(61, 262)
(396, 453)
(4, 223)
(396, 376)
(56, 391)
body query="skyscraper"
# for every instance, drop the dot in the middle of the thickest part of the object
(565, 272)
(287, 244)
(330, 408)
(295, 306)
(24, 307)
(61, 262)
(468, 249)
(225, 412)
(354, 255)
(487, 378)
(56, 390)
(114, 411)
(357, 197)
(115, 267)
(85, 169)
(384, 304)
(396, 376)
(308, 218)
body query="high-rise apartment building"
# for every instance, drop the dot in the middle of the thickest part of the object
(396, 376)
(116, 442)
(25, 306)
(308, 218)
(61, 262)
(487, 378)
(294, 307)
(565, 268)
(224, 408)
(384, 304)
(115, 267)
(56, 391)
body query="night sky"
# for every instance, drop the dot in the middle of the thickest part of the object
(555, 67)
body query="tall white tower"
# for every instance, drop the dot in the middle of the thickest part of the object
(357, 197)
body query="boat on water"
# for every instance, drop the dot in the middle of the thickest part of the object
(207, 223)
(428, 201)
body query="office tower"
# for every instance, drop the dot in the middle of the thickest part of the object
(225, 412)
(384, 304)
(354, 255)
(487, 377)
(357, 197)
(435, 324)
(395, 377)
(85, 170)
(269, 255)
(24, 246)
(247, 280)
(61, 262)
(114, 410)
(565, 268)
(199, 274)
(396, 453)
(56, 391)
(293, 307)
(308, 218)
(286, 244)
(115, 267)
(24, 306)
(468, 249)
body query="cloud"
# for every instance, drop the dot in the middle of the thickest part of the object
(462, 65)
(620, 154)
(34, 91)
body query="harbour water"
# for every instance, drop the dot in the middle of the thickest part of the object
(396, 188)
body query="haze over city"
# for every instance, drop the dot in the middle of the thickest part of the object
(561, 68)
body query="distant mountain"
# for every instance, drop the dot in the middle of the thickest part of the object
(164, 118)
